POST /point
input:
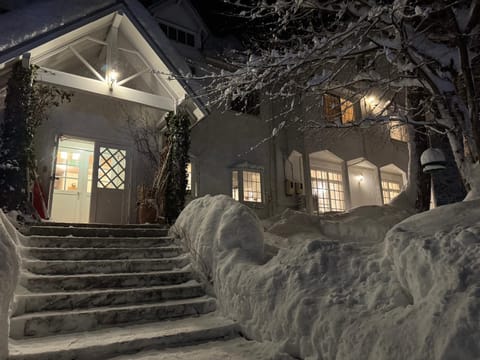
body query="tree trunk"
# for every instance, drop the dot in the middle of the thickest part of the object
(419, 182)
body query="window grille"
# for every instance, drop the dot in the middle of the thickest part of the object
(327, 190)
(398, 131)
(111, 168)
(336, 108)
(178, 35)
(390, 189)
(252, 187)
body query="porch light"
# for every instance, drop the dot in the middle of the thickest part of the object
(360, 178)
(112, 78)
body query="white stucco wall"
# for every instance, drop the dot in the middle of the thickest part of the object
(98, 119)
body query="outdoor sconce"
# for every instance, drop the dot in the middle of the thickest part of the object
(112, 79)
(360, 178)
(432, 160)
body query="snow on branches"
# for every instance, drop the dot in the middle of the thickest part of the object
(360, 49)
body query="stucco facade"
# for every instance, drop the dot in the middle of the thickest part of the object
(233, 153)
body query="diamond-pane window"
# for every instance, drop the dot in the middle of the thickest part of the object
(111, 168)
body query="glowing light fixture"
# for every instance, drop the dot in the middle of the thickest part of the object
(112, 78)
(360, 178)
(372, 100)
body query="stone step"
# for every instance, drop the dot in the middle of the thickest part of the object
(52, 283)
(70, 267)
(97, 231)
(42, 324)
(101, 225)
(237, 348)
(96, 242)
(29, 303)
(101, 253)
(104, 344)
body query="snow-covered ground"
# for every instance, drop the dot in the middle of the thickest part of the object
(9, 268)
(345, 286)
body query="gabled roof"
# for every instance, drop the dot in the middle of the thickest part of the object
(29, 28)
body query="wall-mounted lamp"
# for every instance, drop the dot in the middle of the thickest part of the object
(372, 101)
(112, 78)
(360, 178)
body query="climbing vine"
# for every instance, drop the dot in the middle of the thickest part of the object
(171, 180)
(26, 107)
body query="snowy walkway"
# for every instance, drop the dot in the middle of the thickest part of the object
(236, 349)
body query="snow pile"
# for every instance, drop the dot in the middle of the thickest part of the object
(224, 226)
(9, 268)
(365, 224)
(414, 295)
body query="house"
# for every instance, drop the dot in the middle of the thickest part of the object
(318, 171)
(116, 56)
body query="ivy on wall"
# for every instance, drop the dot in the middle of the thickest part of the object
(26, 107)
(170, 184)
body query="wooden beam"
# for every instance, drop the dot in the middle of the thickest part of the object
(93, 86)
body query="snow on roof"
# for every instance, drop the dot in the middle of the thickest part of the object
(30, 22)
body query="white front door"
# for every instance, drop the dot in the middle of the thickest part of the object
(73, 181)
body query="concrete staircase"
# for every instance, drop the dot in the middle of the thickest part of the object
(94, 292)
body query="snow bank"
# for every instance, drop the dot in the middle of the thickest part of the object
(212, 227)
(414, 295)
(363, 224)
(9, 268)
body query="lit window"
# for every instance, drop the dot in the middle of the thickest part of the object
(398, 131)
(327, 190)
(252, 189)
(189, 177)
(390, 189)
(347, 111)
(336, 108)
(235, 189)
(247, 185)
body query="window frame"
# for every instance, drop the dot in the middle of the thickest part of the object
(338, 112)
(240, 170)
(328, 181)
(188, 36)
(398, 128)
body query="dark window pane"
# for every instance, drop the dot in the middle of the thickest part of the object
(181, 36)
(190, 40)
(172, 33)
(164, 28)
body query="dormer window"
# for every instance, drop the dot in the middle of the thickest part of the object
(178, 35)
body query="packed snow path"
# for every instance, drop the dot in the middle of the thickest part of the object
(99, 292)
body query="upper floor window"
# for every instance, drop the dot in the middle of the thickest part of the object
(337, 108)
(398, 131)
(247, 185)
(178, 35)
